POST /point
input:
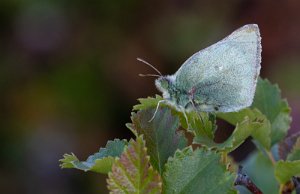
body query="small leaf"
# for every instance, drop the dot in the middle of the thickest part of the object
(161, 134)
(150, 102)
(67, 161)
(268, 100)
(242, 130)
(285, 170)
(261, 171)
(132, 172)
(146, 103)
(100, 162)
(198, 171)
(262, 130)
(203, 126)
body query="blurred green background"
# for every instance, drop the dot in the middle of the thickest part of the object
(68, 73)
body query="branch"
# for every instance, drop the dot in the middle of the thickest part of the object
(296, 181)
(244, 180)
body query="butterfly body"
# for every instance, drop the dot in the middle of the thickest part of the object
(221, 77)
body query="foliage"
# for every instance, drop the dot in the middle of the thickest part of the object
(160, 159)
(161, 135)
(285, 170)
(256, 121)
(197, 171)
(261, 171)
(99, 162)
(268, 100)
(132, 172)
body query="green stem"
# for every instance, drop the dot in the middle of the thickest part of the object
(270, 155)
(281, 188)
(224, 157)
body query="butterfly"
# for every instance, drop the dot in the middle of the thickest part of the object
(219, 78)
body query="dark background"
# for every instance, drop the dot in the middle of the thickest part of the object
(68, 74)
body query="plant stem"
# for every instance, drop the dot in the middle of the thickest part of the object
(224, 157)
(244, 180)
(281, 188)
(296, 181)
(270, 155)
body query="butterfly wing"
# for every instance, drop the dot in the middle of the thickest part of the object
(223, 76)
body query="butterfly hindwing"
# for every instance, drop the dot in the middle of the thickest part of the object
(223, 76)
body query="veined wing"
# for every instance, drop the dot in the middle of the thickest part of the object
(224, 75)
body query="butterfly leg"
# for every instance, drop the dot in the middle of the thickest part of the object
(156, 109)
(192, 96)
(193, 104)
(185, 116)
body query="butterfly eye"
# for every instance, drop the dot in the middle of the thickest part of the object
(164, 83)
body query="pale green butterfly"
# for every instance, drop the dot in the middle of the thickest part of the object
(219, 78)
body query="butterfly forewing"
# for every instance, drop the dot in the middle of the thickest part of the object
(223, 76)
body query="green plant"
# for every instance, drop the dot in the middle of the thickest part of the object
(160, 159)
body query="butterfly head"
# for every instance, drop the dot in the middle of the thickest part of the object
(171, 93)
(165, 85)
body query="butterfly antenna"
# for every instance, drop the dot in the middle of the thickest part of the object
(149, 75)
(145, 62)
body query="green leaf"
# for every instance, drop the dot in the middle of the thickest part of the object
(100, 162)
(284, 170)
(132, 172)
(161, 134)
(268, 100)
(262, 130)
(242, 130)
(261, 171)
(198, 171)
(203, 126)
(146, 103)
(150, 102)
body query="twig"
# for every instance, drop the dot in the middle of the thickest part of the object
(270, 155)
(296, 181)
(286, 188)
(224, 157)
(290, 186)
(244, 180)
